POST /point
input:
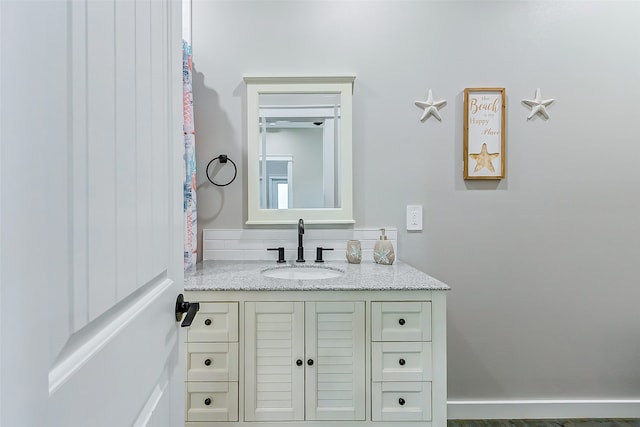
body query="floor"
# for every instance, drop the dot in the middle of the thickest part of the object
(629, 422)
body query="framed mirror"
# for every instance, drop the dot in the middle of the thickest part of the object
(299, 149)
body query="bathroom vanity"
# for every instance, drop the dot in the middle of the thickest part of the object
(299, 345)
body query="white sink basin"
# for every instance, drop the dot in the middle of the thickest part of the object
(303, 273)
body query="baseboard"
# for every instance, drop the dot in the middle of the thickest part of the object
(532, 409)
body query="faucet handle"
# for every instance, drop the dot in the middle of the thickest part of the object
(280, 253)
(319, 253)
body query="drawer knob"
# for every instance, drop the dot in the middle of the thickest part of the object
(299, 362)
(310, 362)
(207, 322)
(401, 401)
(402, 322)
(401, 362)
(207, 401)
(207, 362)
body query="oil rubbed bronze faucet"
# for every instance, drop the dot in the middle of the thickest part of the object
(300, 247)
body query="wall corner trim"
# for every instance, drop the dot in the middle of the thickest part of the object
(535, 409)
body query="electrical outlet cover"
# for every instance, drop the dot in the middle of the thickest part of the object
(414, 217)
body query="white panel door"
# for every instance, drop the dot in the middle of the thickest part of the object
(91, 213)
(274, 355)
(335, 381)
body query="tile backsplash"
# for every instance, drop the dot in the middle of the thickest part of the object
(251, 245)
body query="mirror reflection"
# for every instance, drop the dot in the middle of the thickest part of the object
(299, 146)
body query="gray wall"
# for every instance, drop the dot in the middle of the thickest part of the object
(543, 264)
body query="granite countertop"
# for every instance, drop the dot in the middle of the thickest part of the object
(247, 276)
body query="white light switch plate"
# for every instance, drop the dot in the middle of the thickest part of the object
(414, 217)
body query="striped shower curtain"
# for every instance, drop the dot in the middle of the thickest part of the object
(190, 212)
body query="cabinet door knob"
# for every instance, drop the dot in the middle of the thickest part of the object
(207, 322)
(401, 362)
(207, 362)
(310, 362)
(402, 322)
(207, 401)
(299, 362)
(401, 401)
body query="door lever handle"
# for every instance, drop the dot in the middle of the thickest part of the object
(182, 306)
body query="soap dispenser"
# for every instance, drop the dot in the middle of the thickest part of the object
(383, 250)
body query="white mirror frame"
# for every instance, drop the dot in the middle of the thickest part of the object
(256, 85)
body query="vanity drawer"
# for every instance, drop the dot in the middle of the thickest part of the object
(212, 401)
(401, 321)
(212, 361)
(215, 322)
(401, 361)
(401, 401)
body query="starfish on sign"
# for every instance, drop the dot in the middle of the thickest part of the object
(538, 105)
(430, 107)
(483, 159)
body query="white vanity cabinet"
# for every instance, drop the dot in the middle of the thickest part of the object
(313, 358)
(212, 364)
(401, 360)
(304, 361)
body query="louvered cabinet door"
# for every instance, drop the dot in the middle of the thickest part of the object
(335, 355)
(274, 342)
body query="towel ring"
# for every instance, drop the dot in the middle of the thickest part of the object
(222, 158)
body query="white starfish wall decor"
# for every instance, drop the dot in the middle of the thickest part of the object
(430, 107)
(538, 105)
